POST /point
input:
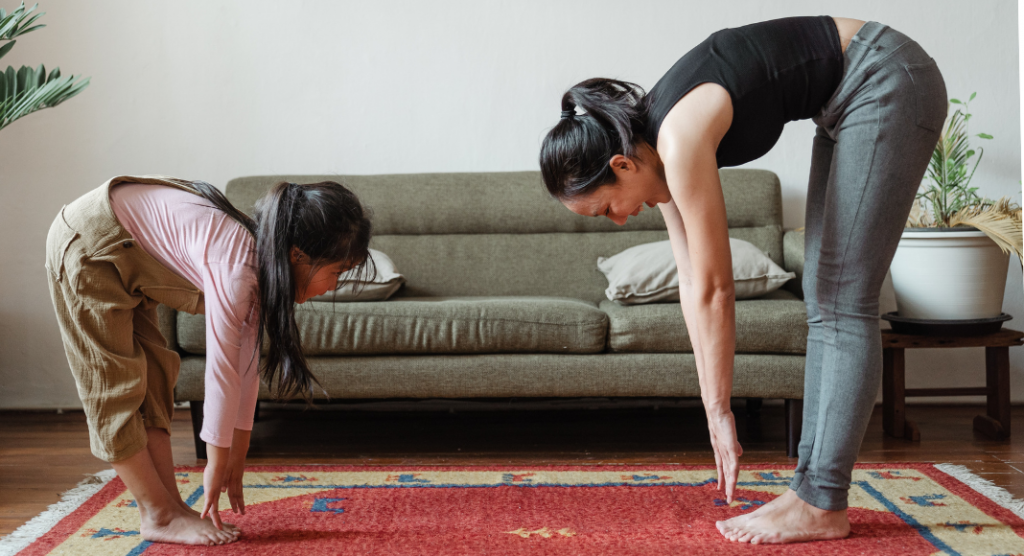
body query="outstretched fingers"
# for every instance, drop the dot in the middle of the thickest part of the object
(727, 451)
(718, 460)
(210, 510)
(731, 465)
(236, 493)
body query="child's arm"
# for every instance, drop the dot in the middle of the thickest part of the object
(249, 361)
(232, 382)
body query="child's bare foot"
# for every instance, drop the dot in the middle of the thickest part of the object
(784, 520)
(188, 508)
(230, 527)
(181, 527)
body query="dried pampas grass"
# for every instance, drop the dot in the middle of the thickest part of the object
(1001, 221)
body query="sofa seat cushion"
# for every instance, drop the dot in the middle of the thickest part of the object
(438, 325)
(525, 375)
(775, 323)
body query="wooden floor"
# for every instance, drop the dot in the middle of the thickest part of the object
(44, 454)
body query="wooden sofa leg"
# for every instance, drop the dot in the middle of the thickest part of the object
(794, 424)
(753, 420)
(196, 408)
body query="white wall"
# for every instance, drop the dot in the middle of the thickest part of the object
(215, 90)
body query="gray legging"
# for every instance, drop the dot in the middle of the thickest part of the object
(873, 142)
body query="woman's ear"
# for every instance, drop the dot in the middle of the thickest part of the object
(297, 256)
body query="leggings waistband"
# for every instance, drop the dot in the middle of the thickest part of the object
(874, 44)
(878, 36)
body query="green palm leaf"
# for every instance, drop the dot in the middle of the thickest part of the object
(17, 23)
(28, 90)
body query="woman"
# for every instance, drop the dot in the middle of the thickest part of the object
(134, 242)
(879, 102)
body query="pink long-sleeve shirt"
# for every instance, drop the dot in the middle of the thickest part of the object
(206, 247)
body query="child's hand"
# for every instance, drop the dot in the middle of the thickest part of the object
(236, 470)
(214, 482)
(233, 486)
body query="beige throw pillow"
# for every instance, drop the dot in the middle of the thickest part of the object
(383, 286)
(647, 273)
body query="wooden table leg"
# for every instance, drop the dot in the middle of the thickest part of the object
(894, 399)
(893, 388)
(997, 378)
(887, 407)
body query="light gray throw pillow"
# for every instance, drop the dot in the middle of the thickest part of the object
(647, 273)
(383, 286)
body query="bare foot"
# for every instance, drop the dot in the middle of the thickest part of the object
(180, 527)
(784, 520)
(188, 508)
(734, 522)
(230, 527)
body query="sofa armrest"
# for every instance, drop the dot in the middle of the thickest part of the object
(167, 319)
(793, 259)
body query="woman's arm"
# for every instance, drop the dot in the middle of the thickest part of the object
(699, 234)
(707, 310)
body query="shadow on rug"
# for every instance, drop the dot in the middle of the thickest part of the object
(549, 510)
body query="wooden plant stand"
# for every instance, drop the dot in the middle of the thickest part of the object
(995, 424)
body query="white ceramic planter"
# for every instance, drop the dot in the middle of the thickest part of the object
(949, 275)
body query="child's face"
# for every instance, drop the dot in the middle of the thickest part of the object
(310, 281)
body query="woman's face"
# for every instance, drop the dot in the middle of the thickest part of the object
(637, 183)
(311, 282)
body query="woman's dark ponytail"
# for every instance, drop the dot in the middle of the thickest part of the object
(326, 222)
(574, 156)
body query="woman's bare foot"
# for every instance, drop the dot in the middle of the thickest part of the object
(735, 522)
(181, 527)
(784, 520)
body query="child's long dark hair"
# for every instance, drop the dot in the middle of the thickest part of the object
(326, 221)
(575, 154)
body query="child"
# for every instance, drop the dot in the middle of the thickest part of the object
(117, 252)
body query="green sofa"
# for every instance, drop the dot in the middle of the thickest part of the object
(504, 299)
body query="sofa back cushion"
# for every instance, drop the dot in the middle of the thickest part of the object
(501, 234)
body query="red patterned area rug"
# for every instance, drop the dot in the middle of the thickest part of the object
(546, 510)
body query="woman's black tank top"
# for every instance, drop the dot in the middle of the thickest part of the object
(775, 72)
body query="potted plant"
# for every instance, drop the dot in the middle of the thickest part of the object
(28, 90)
(952, 258)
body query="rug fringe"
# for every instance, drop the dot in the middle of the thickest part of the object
(984, 487)
(42, 523)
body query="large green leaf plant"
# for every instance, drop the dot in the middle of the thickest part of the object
(28, 90)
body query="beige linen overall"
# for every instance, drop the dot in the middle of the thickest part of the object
(105, 290)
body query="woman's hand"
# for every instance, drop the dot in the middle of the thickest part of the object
(214, 482)
(722, 426)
